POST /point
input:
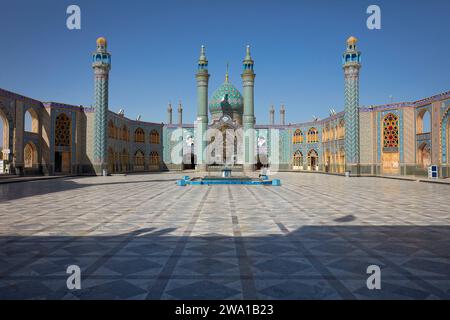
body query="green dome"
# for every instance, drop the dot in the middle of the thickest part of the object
(226, 98)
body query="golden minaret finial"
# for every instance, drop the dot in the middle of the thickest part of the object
(226, 75)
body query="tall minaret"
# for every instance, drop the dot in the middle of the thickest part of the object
(248, 82)
(101, 65)
(180, 114)
(272, 116)
(169, 114)
(202, 77)
(282, 115)
(351, 65)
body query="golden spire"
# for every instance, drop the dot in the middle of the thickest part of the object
(226, 75)
(101, 41)
(352, 40)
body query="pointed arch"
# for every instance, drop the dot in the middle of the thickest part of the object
(313, 135)
(139, 161)
(341, 129)
(297, 161)
(62, 131)
(298, 136)
(111, 130)
(111, 160)
(125, 160)
(154, 160)
(31, 121)
(125, 134)
(313, 160)
(139, 135)
(341, 159)
(390, 156)
(154, 137)
(391, 131)
(5, 127)
(424, 155)
(423, 121)
(30, 155)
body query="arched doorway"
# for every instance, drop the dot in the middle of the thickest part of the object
(424, 155)
(189, 159)
(327, 160)
(63, 142)
(30, 156)
(125, 158)
(341, 160)
(154, 161)
(262, 157)
(390, 157)
(313, 163)
(229, 146)
(3, 134)
(139, 161)
(297, 161)
(110, 160)
(4, 141)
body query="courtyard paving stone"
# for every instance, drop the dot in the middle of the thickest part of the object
(142, 237)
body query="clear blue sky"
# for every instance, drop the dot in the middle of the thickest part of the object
(296, 45)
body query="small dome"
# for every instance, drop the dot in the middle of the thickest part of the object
(352, 40)
(226, 98)
(101, 41)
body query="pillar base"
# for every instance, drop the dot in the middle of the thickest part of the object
(354, 169)
(249, 167)
(98, 168)
(19, 170)
(201, 167)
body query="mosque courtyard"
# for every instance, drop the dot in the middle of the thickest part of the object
(143, 237)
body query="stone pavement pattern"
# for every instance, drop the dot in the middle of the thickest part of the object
(142, 237)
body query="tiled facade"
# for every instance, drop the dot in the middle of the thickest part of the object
(73, 139)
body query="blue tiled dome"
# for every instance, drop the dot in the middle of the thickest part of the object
(226, 98)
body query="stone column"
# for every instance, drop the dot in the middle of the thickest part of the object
(101, 65)
(248, 82)
(351, 66)
(201, 122)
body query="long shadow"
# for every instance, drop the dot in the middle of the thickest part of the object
(312, 262)
(18, 190)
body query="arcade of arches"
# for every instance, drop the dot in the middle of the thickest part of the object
(121, 162)
(334, 161)
(333, 158)
(118, 133)
(51, 138)
(312, 161)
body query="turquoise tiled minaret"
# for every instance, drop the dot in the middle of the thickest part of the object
(248, 82)
(101, 65)
(202, 78)
(351, 66)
